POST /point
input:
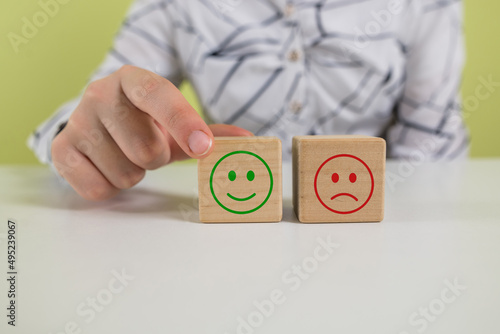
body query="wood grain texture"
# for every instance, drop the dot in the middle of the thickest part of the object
(241, 181)
(338, 178)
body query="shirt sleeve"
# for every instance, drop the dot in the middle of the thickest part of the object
(429, 121)
(144, 40)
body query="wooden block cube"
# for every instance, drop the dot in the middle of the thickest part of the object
(338, 178)
(241, 181)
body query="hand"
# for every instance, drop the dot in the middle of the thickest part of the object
(129, 122)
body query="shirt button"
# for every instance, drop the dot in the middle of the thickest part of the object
(296, 107)
(294, 56)
(289, 10)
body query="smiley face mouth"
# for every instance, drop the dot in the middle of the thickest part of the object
(241, 199)
(343, 194)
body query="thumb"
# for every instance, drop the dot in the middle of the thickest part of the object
(218, 130)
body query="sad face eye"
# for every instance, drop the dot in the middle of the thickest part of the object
(250, 175)
(353, 177)
(335, 177)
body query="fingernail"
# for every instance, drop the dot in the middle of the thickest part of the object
(199, 142)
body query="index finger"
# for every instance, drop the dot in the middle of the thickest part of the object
(160, 99)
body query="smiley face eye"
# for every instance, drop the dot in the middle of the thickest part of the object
(250, 175)
(353, 177)
(231, 175)
(335, 177)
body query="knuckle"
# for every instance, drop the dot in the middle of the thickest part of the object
(99, 192)
(149, 151)
(126, 68)
(59, 148)
(174, 119)
(78, 120)
(56, 148)
(148, 87)
(130, 178)
(120, 109)
(121, 105)
(96, 92)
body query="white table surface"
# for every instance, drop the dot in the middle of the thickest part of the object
(442, 227)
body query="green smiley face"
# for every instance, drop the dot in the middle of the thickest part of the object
(241, 182)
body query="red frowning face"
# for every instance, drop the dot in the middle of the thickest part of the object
(344, 184)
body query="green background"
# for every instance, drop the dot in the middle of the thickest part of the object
(55, 65)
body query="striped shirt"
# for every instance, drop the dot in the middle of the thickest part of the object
(387, 68)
